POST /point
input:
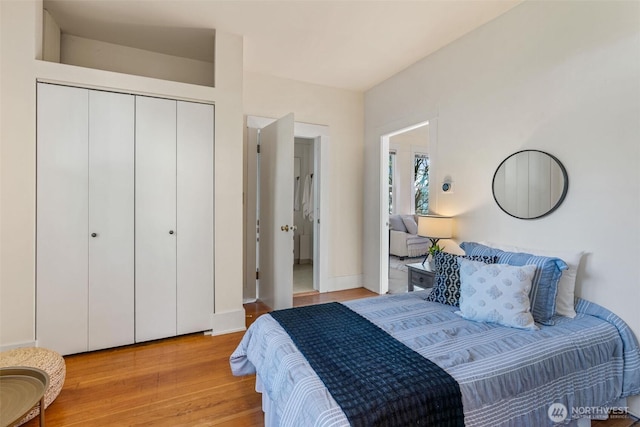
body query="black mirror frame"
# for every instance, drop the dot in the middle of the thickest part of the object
(565, 187)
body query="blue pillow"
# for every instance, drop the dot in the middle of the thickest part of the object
(476, 249)
(446, 288)
(544, 286)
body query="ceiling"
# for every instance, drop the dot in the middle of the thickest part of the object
(349, 44)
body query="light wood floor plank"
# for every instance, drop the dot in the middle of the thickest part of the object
(183, 381)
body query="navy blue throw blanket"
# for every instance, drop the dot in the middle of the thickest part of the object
(376, 380)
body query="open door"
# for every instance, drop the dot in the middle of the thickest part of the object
(276, 213)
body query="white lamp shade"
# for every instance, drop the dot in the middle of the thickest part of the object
(435, 227)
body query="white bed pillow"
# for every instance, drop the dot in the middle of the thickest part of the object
(496, 293)
(396, 223)
(565, 299)
(410, 223)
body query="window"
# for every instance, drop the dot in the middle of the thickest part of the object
(421, 183)
(392, 171)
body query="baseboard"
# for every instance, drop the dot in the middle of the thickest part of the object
(228, 322)
(343, 283)
(18, 345)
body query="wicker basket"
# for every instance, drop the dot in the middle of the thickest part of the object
(47, 360)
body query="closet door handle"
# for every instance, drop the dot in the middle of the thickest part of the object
(94, 234)
(171, 232)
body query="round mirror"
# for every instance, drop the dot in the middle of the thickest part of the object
(530, 184)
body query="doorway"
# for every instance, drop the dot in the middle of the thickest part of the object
(303, 215)
(311, 226)
(403, 156)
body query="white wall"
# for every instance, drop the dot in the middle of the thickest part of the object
(123, 59)
(562, 77)
(51, 38)
(17, 157)
(22, 25)
(342, 111)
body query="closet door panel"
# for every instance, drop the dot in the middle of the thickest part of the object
(62, 218)
(155, 219)
(111, 219)
(195, 135)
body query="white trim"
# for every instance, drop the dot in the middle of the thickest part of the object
(383, 285)
(394, 184)
(18, 345)
(383, 227)
(343, 283)
(228, 322)
(434, 187)
(123, 91)
(250, 209)
(407, 129)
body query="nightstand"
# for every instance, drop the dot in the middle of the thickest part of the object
(420, 276)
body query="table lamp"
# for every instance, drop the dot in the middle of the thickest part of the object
(435, 227)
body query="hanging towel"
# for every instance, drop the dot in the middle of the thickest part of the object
(305, 195)
(310, 207)
(296, 194)
(307, 198)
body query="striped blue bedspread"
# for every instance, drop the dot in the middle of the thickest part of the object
(508, 377)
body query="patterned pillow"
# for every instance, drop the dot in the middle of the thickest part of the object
(544, 286)
(446, 289)
(496, 293)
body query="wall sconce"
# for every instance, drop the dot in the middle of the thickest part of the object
(447, 185)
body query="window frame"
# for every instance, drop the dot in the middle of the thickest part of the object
(423, 154)
(393, 171)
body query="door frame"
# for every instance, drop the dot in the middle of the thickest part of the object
(384, 189)
(321, 227)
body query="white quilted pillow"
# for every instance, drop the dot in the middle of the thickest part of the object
(496, 293)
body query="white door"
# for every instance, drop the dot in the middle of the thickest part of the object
(195, 217)
(155, 219)
(276, 213)
(62, 218)
(111, 219)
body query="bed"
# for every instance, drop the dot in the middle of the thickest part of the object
(507, 376)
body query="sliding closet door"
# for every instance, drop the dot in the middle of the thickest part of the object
(156, 233)
(111, 219)
(195, 217)
(62, 218)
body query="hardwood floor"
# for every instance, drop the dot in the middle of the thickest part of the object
(184, 381)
